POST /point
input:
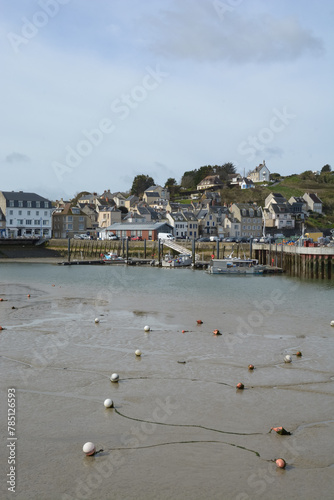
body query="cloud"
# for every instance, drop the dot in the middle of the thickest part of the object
(198, 32)
(17, 158)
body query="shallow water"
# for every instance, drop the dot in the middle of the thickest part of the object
(180, 429)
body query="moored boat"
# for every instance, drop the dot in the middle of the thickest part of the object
(235, 266)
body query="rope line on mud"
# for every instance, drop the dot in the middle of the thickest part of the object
(189, 442)
(190, 425)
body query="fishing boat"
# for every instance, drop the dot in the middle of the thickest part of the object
(235, 265)
(182, 260)
(112, 258)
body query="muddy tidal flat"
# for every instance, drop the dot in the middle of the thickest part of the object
(179, 428)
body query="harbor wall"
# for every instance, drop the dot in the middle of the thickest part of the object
(303, 262)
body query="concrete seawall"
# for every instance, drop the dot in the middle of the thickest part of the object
(303, 262)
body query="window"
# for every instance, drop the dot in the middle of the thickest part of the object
(11, 222)
(20, 222)
(45, 222)
(69, 218)
(28, 212)
(36, 222)
(38, 204)
(20, 212)
(20, 203)
(69, 226)
(81, 227)
(29, 204)
(37, 212)
(11, 203)
(28, 222)
(45, 213)
(46, 204)
(10, 212)
(190, 225)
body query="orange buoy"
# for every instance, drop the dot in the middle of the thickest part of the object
(250, 367)
(240, 385)
(299, 354)
(199, 321)
(216, 332)
(281, 431)
(1, 299)
(28, 295)
(281, 463)
(1, 328)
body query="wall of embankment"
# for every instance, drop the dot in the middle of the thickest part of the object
(303, 262)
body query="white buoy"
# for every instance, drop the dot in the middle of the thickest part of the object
(89, 448)
(114, 377)
(138, 352)
(332, 322)
(287, 358)
(108, 403)
(147, 328)
(97, 320)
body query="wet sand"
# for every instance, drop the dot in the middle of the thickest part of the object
(179, 429)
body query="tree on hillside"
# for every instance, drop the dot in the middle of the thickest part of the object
(74, 201)
(170, 182)
(172, 187)
(141, 183)
(326, 168)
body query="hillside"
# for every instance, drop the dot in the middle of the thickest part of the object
(293, 185)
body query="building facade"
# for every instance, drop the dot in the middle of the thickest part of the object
(27, 215)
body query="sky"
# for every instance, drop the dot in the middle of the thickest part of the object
(95, 92)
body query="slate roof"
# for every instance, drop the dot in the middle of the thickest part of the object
(22, 196)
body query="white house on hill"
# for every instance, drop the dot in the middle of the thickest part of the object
(260, 174)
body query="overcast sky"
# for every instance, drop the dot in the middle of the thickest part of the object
(95, 92)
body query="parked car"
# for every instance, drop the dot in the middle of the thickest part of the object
(136, 238)
(112, 237)
(203, 239)
(214, 238)
(77, 236)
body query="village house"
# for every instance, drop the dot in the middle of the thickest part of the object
(260, 174)
(313, 202)
(207, 222)
(108, 216)
(68, 221)
(163, 193)
(232, 227)
(279, 216)
(2, 224)
(298, 206)
(210, 182)
(143, 230)
(26, 215)
(246, 183)
(274, 198)
(250, 217)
